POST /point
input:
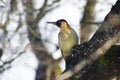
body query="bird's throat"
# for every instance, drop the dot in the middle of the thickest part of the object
(65, 30)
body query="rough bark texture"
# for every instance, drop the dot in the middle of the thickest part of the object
(106, 68)
(81, 63)
(88, 16)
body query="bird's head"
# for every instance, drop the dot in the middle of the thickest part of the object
(60, 23)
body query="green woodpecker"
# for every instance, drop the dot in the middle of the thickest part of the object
(67, 37)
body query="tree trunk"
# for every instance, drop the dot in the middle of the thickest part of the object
(88, 16)
(94, 57)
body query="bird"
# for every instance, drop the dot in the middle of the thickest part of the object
(67, 37)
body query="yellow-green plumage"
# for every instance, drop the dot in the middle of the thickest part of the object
(67, 41)
(67, 37)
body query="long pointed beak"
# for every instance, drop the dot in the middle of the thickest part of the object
(52, 23)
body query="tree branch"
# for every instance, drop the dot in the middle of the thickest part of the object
(88, 15)
(6, 63)
(87, 53)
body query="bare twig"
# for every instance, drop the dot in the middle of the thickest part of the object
(13, 59)
(92, 23)
(54, 2)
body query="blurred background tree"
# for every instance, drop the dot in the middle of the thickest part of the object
(27, 41)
